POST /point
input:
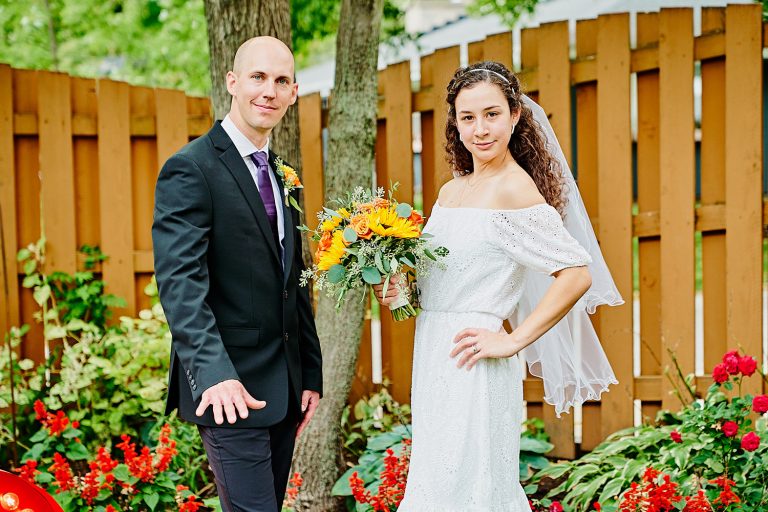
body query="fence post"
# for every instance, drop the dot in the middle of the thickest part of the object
(743, 173)
(614, 161)
(116, 190)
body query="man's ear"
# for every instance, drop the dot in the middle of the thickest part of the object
(294, 93)
(231, 81)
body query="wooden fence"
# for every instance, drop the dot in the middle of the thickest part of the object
(98, 145)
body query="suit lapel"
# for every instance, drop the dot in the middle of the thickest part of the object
(235, 165)
(288, 229)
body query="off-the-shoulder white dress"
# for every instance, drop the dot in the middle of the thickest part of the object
(466, 424)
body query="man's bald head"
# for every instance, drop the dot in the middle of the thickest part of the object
(266, 45)
(262, 87)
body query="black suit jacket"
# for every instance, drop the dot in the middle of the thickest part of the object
(232, 310)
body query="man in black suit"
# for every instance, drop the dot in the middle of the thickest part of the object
(228, 259)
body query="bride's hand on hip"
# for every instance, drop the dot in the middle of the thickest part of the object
(476, 344)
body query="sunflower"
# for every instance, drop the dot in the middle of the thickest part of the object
(331, 224)
(333, 255)
(386, 222)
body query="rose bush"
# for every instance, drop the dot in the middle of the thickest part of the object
(711, 452)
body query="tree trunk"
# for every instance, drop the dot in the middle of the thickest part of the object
(352, 134)
(230, 24)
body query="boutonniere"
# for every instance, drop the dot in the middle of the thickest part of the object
(290, 182)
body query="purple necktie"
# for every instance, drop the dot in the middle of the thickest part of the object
(265, 188)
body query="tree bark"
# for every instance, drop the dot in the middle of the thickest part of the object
(230, 24)
(352, 135)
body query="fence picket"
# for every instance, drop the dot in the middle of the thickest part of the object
(743, 174)
(648, 182)
(614, 171)
(713, 193)
(115, 189)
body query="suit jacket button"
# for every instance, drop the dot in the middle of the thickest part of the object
(285, 336)
(285, 294)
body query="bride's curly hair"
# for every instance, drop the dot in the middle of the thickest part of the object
(528, 142)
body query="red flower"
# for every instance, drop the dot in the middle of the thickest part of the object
(719, 373)
(597, 506)
(191, 505)
(650, 497)
(731, 362)
(747, 365)
(676, 437)
(698, 503)
(750, 442)
(760, 404)
(556, 507)
(730, 429)
(392, 487)
(110, 508)
(28, 471)
(62, 473)
(40, 413)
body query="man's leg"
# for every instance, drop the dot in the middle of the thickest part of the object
(240, 459)
(282, 441)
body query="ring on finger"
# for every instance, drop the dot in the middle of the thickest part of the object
(475, 349)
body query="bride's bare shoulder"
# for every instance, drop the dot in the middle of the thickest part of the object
(517, 190)
(449, 190)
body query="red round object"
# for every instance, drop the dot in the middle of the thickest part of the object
(30, 497)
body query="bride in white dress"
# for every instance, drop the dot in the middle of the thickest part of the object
(511, 257)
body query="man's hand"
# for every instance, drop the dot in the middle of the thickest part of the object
(309, 401)
(392, 291)
(228, 396)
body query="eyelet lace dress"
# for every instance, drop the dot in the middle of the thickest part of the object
(466, 424)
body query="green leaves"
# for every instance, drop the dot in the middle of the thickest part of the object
(350, 235)
(371, 275)
(404, 210)
(336, 273)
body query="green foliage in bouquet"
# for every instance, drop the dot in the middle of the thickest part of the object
(366, 240)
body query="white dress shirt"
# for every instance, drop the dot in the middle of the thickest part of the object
(245, 147)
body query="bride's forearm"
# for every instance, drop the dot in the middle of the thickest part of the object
(569, 285)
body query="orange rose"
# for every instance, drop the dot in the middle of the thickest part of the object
(365, 207)
(360, 224)
(416, 218)
(325, 241)
(380, 203)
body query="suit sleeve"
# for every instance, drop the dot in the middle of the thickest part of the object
(309, 343)
(180, 235)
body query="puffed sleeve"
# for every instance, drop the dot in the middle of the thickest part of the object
(536, 238)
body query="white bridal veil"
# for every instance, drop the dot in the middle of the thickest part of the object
(568, 357)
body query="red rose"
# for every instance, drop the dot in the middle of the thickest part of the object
(719, 373)
(676, 437)
(760, 404)
(730, 429)
(731, 362)
(750, 442)
(555, 507)
(747, 365)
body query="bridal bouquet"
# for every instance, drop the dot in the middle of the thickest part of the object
(368, 239)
